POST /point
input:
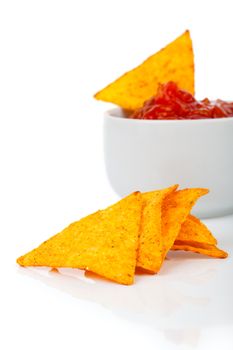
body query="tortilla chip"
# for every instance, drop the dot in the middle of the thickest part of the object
(105, 243)
(150, 247)
(201, 248)
(194, 230)
(175, 63)
(175, 209)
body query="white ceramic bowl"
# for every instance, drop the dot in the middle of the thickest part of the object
(151, 154)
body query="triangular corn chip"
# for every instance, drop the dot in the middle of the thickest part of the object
(175, 209)
(150, 247)
(201, 248)
(105, 243)
(174, 62)
(194, 230)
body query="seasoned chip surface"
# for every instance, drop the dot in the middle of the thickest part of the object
(151, 240)
(137, 231)
(194, 230)
(201, 248)
(104, 242)
(175, 209)
(175, 62)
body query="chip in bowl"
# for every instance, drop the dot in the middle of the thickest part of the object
(175, 62)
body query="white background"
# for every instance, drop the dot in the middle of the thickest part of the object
(54, 55)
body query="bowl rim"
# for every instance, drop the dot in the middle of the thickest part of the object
(112, 114)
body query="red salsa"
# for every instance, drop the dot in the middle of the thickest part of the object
(174, 103)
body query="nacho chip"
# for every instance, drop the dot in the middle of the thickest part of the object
(105, 243)
(150, 247)
(194, 230)
(201, 248)
(175, 209)
(175, 63)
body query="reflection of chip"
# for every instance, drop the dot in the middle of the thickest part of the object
(194, 230)
(151, 241)
(175, 63)
(175, 209)
(201, 248)
(104, 242)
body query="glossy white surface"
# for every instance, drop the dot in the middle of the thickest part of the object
(148, 154)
